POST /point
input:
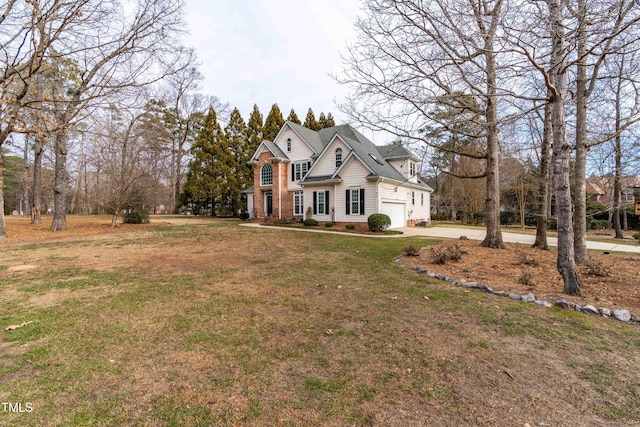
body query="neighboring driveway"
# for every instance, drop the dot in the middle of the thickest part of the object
(478, 234)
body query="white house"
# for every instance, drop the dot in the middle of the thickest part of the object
(335, 175)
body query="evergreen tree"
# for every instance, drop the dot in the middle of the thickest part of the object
(322, 121)
(330, 121)
(255, 129)
(273, 123)
(310, 121)
(293, 117)
(210, 174)
(238, 140)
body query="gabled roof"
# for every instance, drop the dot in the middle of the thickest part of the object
(273, 148)
(371, 155)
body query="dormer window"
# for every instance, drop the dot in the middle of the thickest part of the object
(412, 169)
(338, 157)
(288, 145)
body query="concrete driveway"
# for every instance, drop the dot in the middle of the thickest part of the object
(478, 234)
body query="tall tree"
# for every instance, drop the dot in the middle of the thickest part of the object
(210, 166)
(310, 121)
(561, 150)
(410, 53)
(293, 117)
(242, 172)
(255, 129)
(273, 123)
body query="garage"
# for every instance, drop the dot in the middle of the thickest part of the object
(395, 211)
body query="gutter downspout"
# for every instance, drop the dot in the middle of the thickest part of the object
(279, 190)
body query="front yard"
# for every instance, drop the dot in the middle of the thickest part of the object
(210, 323)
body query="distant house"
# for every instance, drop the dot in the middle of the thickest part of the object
(335, 175)
(600, 189)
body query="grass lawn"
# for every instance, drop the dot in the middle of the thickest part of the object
(218, 324)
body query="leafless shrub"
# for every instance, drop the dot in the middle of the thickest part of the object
(597, 268)
(455, 252)
(526, 278)
(439, 255)
(412, 251)
(524, 258)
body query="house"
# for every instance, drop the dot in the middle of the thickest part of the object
(335, 175)
(600, 189)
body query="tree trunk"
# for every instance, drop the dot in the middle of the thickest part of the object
(580, 173)
(543, 183)
(493, 238)
(561, 155)
(25, 206)
(59, 222)
(617, 186)
(36, 193)
(3, 227)
(114, 219)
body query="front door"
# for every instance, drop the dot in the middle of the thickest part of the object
(268, 203)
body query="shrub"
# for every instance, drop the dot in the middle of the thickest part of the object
(526, 278)
(245, 216)
(455, 252)
(328, 224)
(507, 217)
(136, 217)
(438, 255)
(596, 268)
(636, 236)
(524, 258)
(412, 251)
(378, 222)
(597, 224)
(350, 227)
(310, 222)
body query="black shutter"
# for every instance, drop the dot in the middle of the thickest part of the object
(315, 203)
(293, 171)
(362, 201)
(347, 200)
(326, 203)
(308, 166)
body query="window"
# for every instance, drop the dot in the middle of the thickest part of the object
(413, 197)
(298, 203)
(338, 157)
(412, 169)
(266, 175)
(321, 203)
(421, 199)
(354, 201)
(288, 145)
(299, 170)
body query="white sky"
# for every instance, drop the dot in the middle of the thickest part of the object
(266, 51)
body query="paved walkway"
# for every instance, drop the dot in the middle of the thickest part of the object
(528, 239)
(470, 233)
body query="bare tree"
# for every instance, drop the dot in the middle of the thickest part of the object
(27, 31)
(116, 51)
(409, 55)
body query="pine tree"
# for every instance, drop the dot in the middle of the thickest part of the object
(322, 120)
(273, 123)
(310, 121)
(238, 140)
(210, 174)
(255, 129)
(330, 121)
(293, 117)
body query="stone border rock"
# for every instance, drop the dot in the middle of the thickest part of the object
(621, 315)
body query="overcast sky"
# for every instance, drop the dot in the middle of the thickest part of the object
(266, 51)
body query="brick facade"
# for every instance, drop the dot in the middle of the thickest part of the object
(282, 198)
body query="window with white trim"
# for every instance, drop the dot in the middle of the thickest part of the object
(300, 170)
(266, 174)
(355, 202)
(298, 203)
(288, 145)
(412, 169)
(413, 198)
(421, 199)
(338, 157)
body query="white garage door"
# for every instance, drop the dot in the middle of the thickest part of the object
(395, 212)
